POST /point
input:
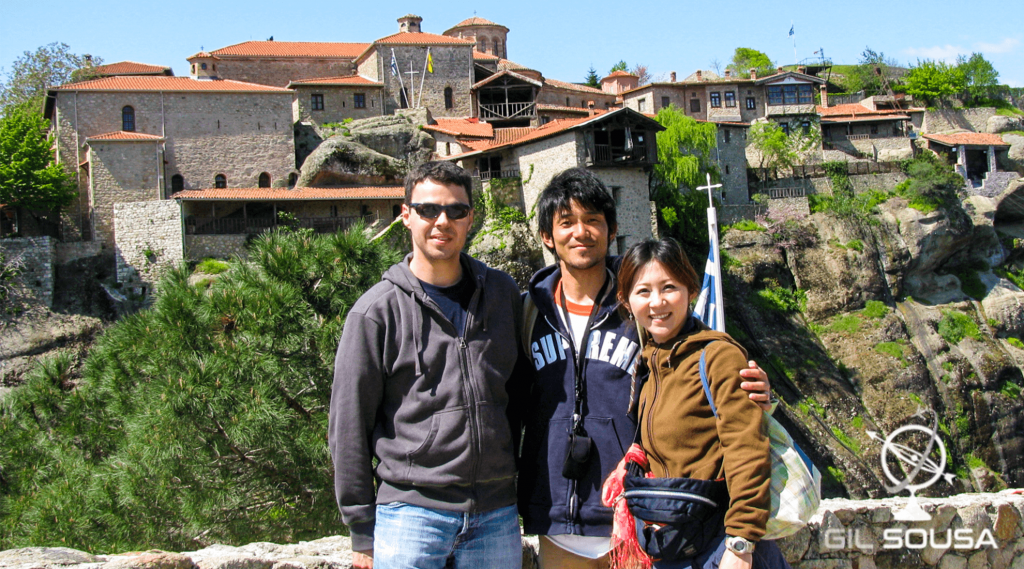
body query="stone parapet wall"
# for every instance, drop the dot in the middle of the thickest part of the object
(37, 257)
(148, 241)
(198, 247)
(985, 533)
(70, 252)
(949, 120)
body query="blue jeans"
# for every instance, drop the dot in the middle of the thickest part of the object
(411, 537)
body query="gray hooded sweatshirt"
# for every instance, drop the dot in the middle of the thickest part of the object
(427, 400)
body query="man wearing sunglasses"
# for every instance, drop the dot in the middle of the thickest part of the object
(420, 385)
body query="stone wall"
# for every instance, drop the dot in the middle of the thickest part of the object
(949, 120)
(339, 103)
(732, 161)
(37, 256)
(70, 252)
(453, 67)
(148, 242)
(199, 247)
(985, 532)
(551, 95)
(121, 172)
(633, 205)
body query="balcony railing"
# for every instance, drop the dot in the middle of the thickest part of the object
(489, 174)
(498, 111)
(238, 226)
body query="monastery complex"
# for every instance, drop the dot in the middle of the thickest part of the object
(172, 168)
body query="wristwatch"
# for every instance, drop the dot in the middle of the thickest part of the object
(739, 545)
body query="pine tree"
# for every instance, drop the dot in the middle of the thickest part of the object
(200, 420)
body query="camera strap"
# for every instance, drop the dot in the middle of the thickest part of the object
(579, 356)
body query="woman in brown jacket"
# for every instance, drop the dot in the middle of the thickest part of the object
(678, 430)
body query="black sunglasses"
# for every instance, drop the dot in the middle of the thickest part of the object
(433, 210)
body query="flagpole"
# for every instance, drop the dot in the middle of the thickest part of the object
(396, 71)
(412, 83)
(422, 79)
(714, 258)
(795, 62)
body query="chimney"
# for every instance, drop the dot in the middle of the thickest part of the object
(672, 77)
(590, 107)
(409, 23)
(753, 73)
(824, 96)
(728, 73)
(699, 75)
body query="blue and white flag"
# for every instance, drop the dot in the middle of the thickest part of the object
(791, 30)
(709, 308)
(394, 64)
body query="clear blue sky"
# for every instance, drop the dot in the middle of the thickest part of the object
(560, 39)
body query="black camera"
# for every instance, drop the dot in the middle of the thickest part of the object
(577, 455)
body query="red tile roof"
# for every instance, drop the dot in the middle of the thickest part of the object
(126, 136)
(163, 83)
(481, 56)
(620, 73)
(474, 21)
(421, 38)
(854, 109)
(506, 135)
(293, 49)
(343, 80)
(506, 65)
(462, 127)
(573, 87)
(296, 194)
(967, 138)
(561, 108)
(131, 68)
(200, 54)
(550, 129)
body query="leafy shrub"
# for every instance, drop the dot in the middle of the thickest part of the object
(845, 324)
(955, 326)
(211, 266)
(1010, 389)
(201, 420)
(1016, 343)
(971, 283)
(891, 349)
(782, 299)
(856, 245)
(875, 309)
(747, 225)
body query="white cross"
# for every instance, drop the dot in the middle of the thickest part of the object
(709, 187)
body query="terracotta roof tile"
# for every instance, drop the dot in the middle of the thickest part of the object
(474, 21)
(854, 109)
(967, 138)
(620, 73)
(131, 68)
(549, 129)
(342, 80)
(561, 108)
(293, 49)
(164, 83)
(481, 56)
(506, 65)
(506, 135)
(296, 194)
(462, 127)
(123, 135)
(573, 87)
(421, 38)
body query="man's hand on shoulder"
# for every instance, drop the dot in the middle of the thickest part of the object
(757, 385)
(362, 559)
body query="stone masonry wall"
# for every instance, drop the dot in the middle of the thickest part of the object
(37, 258)
(69, 252)
(985, 532)
(339, 104)
(121, 172)
(633, 205)
(453, 67)
(199, 247)
(949, 120)
(732, 161)
(148, 241)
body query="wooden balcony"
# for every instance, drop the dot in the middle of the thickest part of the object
(506, 111)
(494, 174)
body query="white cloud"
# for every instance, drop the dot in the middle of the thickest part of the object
(1005, 46)
(945, 53)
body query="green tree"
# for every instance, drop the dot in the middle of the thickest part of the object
(592, 79)
(685, 150)
(34, 71)
(979, 75)
(620, 66)
(932, 81)
(200, 420)
(28, 176)
(867, 75)
(745, 58)
(778, 150)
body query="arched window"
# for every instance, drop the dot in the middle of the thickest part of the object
(448, 99)
(396, 210)
(264, 180)
(128, 119)
(177, 183)
(292, 179)
(220, 181)
(497, 48)
(202, 66)
(483, 45)
(403, 102)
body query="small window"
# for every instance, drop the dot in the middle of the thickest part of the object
(726, 169)
(220, 181)
(447, 149)
(806, 126)
(334, 211)
(193, 69)
(728, 134)
(785, 127)
(177, 183)
(716, 99)
(751, 103)
(202, 66)
(730, 98)
(617, 195)
(264, 180)
(497, 48)
(483, 45)
(292, 179)
(359, 100)
(403, 98)
(396, 210)
(567, 102)
(316, 102)
(665, 102)
(449, 99)
(874, 129)
(641, 105)
(128, 119)
(694, 105)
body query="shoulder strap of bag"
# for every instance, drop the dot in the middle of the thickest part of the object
(704, 379)
(529, 320)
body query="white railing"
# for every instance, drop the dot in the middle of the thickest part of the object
(507, 110)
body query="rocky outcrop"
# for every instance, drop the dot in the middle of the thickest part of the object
(378, 150)
(984, 532)
(999, 123)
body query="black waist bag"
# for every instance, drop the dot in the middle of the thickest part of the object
(677, 518)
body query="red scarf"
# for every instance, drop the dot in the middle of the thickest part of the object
(625, 547)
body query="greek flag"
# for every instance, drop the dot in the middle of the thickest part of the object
(710, 308)
(791, 32)
(394, 64)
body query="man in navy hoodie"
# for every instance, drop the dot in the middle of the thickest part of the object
(584, 354)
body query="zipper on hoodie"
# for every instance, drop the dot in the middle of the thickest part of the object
(656, 376)
(468, 384)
